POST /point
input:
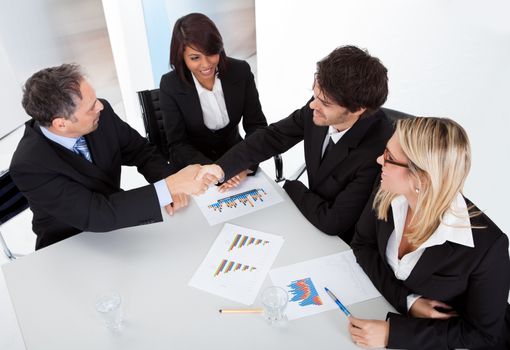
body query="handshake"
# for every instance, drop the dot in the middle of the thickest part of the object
(192, 180)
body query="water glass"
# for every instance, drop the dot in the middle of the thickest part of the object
(109, 306)
(274, 301)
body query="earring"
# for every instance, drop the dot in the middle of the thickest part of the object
(417, 190)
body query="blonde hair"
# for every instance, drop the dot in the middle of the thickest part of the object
(439, 156)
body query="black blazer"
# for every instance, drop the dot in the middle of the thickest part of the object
(474, 281)
(68, 194)
(189, 140)
(339, 185)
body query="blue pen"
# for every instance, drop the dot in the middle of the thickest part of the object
(340, 305)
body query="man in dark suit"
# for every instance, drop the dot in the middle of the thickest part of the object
(68, 162)
(343, 131)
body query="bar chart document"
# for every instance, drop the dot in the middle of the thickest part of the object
(237, 263)
(254, 193)
(305, 282)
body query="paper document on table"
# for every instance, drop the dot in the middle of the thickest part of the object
(253, 194)
(237, 263)
(305, 284)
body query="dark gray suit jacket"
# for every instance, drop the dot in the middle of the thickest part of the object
(68, 194)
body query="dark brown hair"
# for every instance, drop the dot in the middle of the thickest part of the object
(353, 79)
(199, 32)
(52, 92)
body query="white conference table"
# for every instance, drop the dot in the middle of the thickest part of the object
(53, 290)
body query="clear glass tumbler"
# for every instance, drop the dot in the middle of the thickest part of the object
(274, 301)
(109, 305)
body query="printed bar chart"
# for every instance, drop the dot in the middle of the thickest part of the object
(245, 198)
(304, 292)
(231, 266)
(253, 194)
(246, 241)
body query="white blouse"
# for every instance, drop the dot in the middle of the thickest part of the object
(213, 105)
(455, 227)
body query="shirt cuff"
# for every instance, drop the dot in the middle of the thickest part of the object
(164, 196)
(411, 298)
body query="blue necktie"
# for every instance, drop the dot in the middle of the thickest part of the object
(80, 147)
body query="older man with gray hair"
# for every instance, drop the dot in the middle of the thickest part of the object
(68, 162)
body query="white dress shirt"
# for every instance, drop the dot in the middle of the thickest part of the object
(455, 227)
(213, 105)
(334, 135)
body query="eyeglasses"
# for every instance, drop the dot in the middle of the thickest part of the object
(386, 154)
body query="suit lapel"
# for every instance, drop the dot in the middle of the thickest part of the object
(383, 234)
(341, 149)
(318, 133)
(229, 84)
(190, 104)
(429, 262)
(70, 163)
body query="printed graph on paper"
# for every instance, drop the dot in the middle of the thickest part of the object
(303, 292)
(237, 263)
(253, 194)
(305, 282)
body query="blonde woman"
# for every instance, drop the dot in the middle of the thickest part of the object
(431, 253)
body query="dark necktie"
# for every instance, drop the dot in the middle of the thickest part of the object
(80, 147)
(328, 148)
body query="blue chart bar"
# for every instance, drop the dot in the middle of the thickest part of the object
(303, 291)
(245, 198)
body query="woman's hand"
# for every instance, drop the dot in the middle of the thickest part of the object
(427, 308)
(369, 333)
(234, 181)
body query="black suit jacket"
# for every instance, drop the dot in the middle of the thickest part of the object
(339, 185)
(474, 281)
(190, 141)
(68, 194)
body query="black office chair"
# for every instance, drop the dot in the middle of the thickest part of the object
(155, 131)
(12, 203)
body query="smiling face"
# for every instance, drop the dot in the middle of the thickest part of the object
(202, 66)
(396, 177)
(327, 112)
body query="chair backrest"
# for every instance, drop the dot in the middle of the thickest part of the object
(394, 115)
(12, 202)
(153, 119)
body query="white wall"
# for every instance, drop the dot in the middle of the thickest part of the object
(445, 58)
(35, 34)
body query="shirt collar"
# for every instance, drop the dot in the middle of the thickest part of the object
(454, 227)
(201, 89)
(67, 142)
(336, 135)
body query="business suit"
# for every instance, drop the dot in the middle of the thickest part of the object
(189, 140)
(474, 281)
(69, 194)
(340, 184)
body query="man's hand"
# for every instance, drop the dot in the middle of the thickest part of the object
(427, 308)
(369, 333)
(185, 181)
(234, 181)
(211, 174)
(180, 200)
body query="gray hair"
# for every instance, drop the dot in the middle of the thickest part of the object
(52, 93)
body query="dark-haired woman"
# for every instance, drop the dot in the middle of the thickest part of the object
(205, 96)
